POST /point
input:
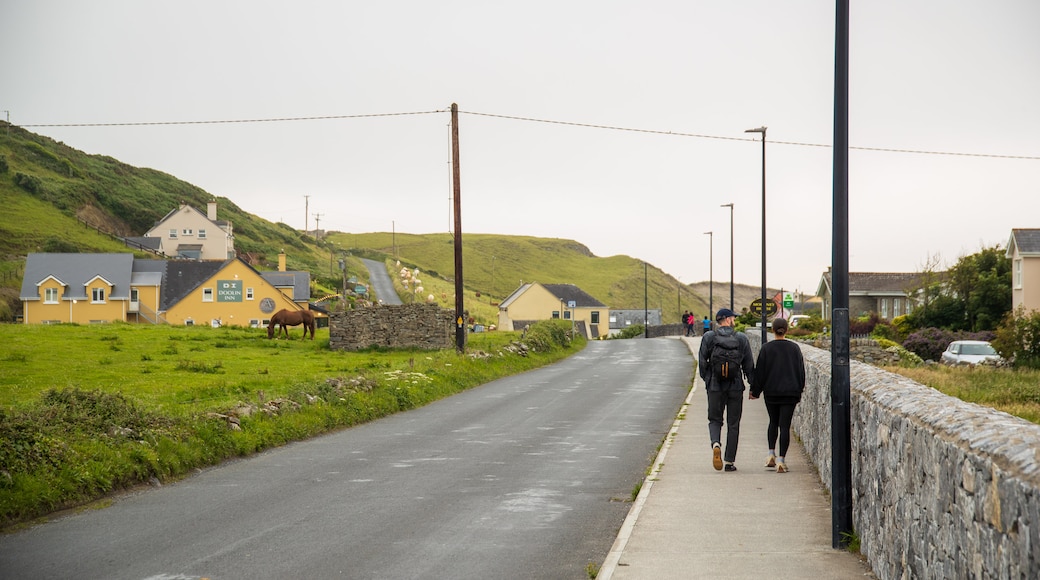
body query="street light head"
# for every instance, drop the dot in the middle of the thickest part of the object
(729, 205)
(708, 233)
(761, 130)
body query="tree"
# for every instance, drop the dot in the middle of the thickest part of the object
(982, 281)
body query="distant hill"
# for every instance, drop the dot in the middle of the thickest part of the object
(59, 199)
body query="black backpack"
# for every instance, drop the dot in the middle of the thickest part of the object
(725, 358)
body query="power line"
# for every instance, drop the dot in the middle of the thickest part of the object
(231, 121)
(531, 120)
(771, 142)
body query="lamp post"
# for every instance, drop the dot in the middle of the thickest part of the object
(490, 299)
(762, 130)
(711, 276)
(730, 206)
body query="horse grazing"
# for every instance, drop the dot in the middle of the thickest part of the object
(286, 318)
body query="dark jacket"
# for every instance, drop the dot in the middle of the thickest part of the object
(780, 372)
(747, 364)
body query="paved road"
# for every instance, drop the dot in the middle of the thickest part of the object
(382, 285)
(526, 477)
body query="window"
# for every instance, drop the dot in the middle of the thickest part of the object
(594, 317)
(566, 314)
(50, 295)
(134, 296)
(556, 314)
(189, 322)
(1018, 273)
(884, 308)
(254, 323)
(249, 293)
(97, 295)
(202, 234)
(187, 232)
(207, 295)
(173, 232)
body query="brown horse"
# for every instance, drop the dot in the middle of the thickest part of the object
(285, 318)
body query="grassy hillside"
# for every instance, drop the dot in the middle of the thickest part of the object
(59, 199)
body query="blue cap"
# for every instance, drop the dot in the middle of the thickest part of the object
(724, 313)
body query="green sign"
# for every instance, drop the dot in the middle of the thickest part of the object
(229, 290)
(788, 300)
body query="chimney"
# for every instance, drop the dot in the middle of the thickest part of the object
(211, 211)
(281, 261)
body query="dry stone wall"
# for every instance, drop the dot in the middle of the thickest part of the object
(424, 326)
(941, 488)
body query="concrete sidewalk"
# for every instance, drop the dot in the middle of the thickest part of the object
(690, 521)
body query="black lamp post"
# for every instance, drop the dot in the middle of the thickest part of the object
(730, 206)
(711, 276)
(762, 130)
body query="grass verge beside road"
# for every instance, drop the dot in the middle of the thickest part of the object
(89, 410)
(1013, 391)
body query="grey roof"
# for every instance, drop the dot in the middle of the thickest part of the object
(570, 292)
(894, 283)
(149, 242)
(75, 270)
(183, 276)
(300, 282)
(1027, 241)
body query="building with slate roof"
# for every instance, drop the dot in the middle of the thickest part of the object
(99, 288)
(889, 294)
(1023, 249)
(188, 233)
(534, 301)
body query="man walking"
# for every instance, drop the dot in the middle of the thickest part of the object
(725, 358)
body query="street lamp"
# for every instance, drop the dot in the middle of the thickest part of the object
(711, 275)
(730, 206)
(762, 130)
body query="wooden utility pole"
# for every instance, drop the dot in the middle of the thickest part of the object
(460, 310)
(306, 214)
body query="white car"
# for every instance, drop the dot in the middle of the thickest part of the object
(795, 319)
(971, 352)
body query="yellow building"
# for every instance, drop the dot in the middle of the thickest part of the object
(533, 302)
(98, 288)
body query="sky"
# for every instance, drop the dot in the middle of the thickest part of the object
(620, 125)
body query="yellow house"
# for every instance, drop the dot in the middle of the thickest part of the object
(98, 288)
(534, 301)
(229, 293)
(1023, 250)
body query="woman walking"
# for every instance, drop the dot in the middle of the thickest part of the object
(780, 376)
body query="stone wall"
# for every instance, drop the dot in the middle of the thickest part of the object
(864, 350)
(941, 488)
(419, 325)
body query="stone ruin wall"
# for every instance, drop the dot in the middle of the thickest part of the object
(423, 326)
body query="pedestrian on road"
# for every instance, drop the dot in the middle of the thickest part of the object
(707, 325)
(780, 376)
(724, 359)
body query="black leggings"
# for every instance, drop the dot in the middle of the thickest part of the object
(780, 415)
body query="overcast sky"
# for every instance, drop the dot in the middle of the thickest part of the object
(953, 76)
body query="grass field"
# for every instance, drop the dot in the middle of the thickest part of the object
(1014, 391)
(88, 410)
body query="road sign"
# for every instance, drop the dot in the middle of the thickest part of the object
(788, 300)
(756, 307)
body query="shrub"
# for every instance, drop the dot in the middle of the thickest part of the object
(1018, 338)
(633, 331)
(544, 335)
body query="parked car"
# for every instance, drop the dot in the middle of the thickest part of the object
(970, 352)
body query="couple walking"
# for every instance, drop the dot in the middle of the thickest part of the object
(724, 360)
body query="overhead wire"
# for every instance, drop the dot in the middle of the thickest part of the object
(534, 120)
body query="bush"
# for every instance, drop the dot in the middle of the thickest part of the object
(1018, 338)
(633, 331)
(544, 335)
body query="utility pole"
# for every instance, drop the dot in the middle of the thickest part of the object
(306, 214)
(460, 321)
(317, 224)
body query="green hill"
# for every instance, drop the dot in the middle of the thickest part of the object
(59, 199)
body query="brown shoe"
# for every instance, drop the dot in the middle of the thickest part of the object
(716, 457)
(771, 461)
(781, 467)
